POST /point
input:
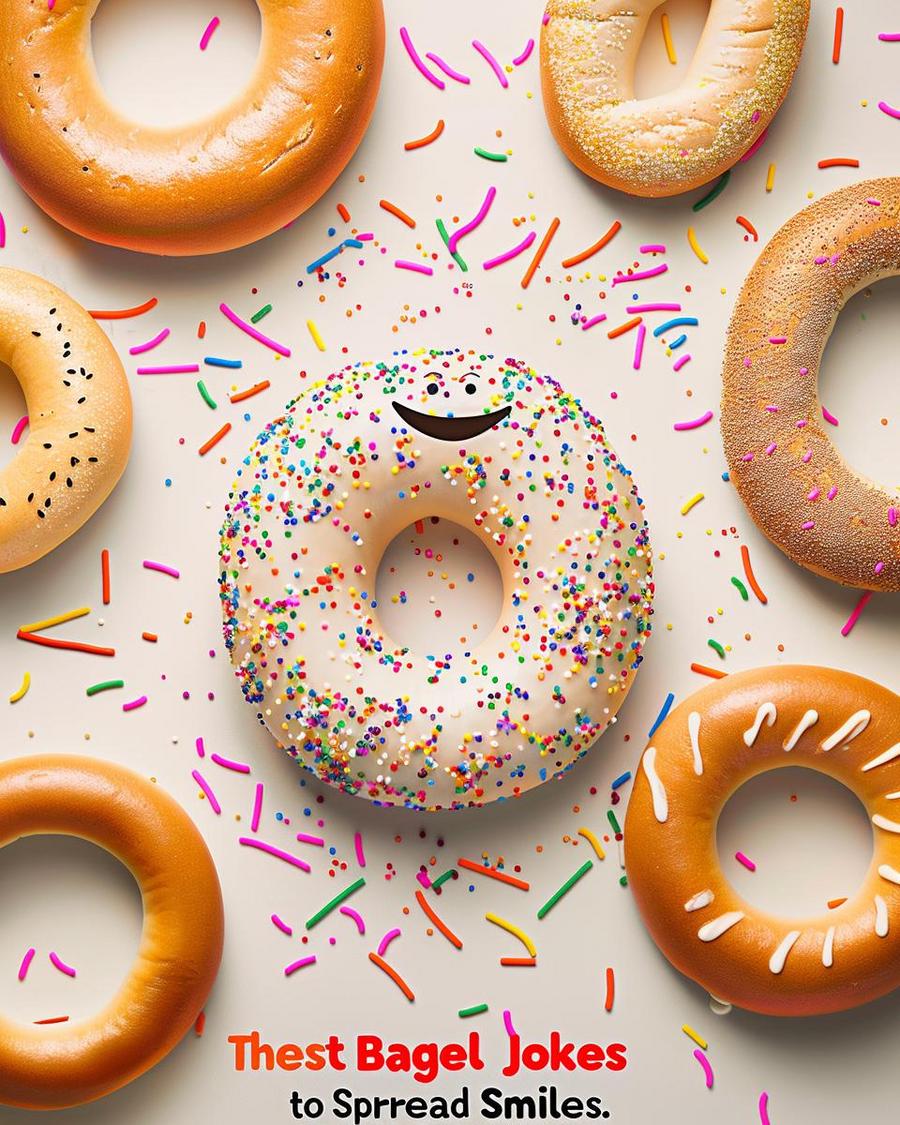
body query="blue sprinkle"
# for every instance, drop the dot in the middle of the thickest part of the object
(621, 779)
(215, 361)
(666, 707)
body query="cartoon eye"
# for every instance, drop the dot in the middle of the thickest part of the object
(432, 388)
(471, 388)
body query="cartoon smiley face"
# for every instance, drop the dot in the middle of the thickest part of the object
(452, 426)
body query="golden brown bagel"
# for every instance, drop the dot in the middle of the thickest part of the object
(671, 143)
(741, 726)
(227, 180)
(799, 489)
(61, 1065)
(79, 410)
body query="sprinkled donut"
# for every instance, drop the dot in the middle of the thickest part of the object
(676, 141)
(498, 449)
(221, 182)
(796, 485)
(751, 722)
(79, 411)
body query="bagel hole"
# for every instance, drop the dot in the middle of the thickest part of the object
(12, 409)
(654, 74)
(65, 895)
(438, 588)
(150, 65)
(808, 835)
(858, 383)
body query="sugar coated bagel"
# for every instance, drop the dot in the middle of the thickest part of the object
(799, 489)
(741, 726)
(222, 182)
(79, 411)
(59, 1065)
(673, 142)
(500, 450)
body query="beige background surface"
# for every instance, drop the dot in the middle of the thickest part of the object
(66, 897)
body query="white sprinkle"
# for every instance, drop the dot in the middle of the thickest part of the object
(883, 759)
(657, 789)
(694, 732)
(854, 726)
(881, 917)
(828, 949)
(719, 926)
(704, 898)
(890, 873)
(808, 720)
(767, 714)
(888, 825)
(778, 958)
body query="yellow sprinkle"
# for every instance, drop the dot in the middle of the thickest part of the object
(696, 247)
(770, 178)
(698, 1039)
(515, 931)
(317, 338)
(688, 504)
(667, 39)
(26, 684)
(48, 622)
(593, 841)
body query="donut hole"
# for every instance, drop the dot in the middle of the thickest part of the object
(12, 409)
(858, 382)
(654, 73)
(65, 895)
(808, 835)
(150, 65)
(438, 588)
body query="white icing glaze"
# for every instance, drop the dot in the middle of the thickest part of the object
(694, 732)
(892, 796)
(778, 958)
(881, 917)
(657, 789)
(720, 925)
(890, 873)
(854, 726)
(887, 825)
(768, 714)
(808, 720)
(883, 759)
(704, 898)
(828, 949)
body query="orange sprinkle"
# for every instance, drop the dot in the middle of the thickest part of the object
(123, 314)
(541, 251)
(53, 1019)
(394, 975)
(394, 210)
(423, 141)
(577, 259)
(610, 990)
(200, 1024)
(748, 227)
(704, 671)
(151, 637)
(239, 396)
(493, 873)
(214, 440)
(442, 926)
(840, 162)
(623, 328)
(838, 35)
(70, 646)
(834, 903)
(343, 212)
(201, 330)
(751, 577)
(519, 962)
(104, 572)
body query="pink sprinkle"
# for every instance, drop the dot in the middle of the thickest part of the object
(295, 861)
(653, 248)
(748, 863)
(422, 877)
(801, 423)
(807, 457)
(874, 202)
(879, 567)
(19, 429)
(358, 847)
(2, 232)
(598, 319)
(301, 964)
(820, 261)
(756, 146)
(639, 347)
(135, 703)
(772, 408)
(847, 627)
(414, 267)
(778, 339)
(155, 342)
(659, 306)
(57, 963)
(525, 55)
(210, 796)
(764, 1109)
(26, 964)
(889, 110)
(171, 369)
(283, 926)
(681, 361)
(492, 62)
(508, 1023)
(455, 238)
(229, 764)
(417, 62)
(305, 838)
(201, 749)
(356, 916)
(748, 456)
(254, 333)
(807, 525)
(207, 35)
(545, 19)
(889, 36)
(771, 447)
(492, 263)
(390, 936)
(804, 370)
(257, 807)
(814, 494)
(832, 492)
(448, 69)
(892, 517)
(622, 278)
(829, 417)
(161, 568)
(696, 423)
(707, 1068)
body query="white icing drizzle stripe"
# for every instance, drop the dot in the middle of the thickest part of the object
(657, 789)
(887, 825)
(719, 926)
(828, 949)
(881, 917)
(704, 898)
(778, 958)
(892, 796)
(694, 732)
(853, 727)
(883, 759)
(891, 874)
(766, 713)
(809, 719)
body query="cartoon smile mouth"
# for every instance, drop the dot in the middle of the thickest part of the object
(451, 429)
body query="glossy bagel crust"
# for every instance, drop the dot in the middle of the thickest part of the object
(61, 1065)
(746, 724)
(677, 141)
(221, 182)
(801, 492)
(79, 410)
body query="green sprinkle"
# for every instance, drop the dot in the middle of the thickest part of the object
(260, 313)
(741, 587)
(105, 686)
(715, 645)
(473, 1011)
(501, 157)
(565, 888)
(442, 231)
(441, 879)
(335, 902)
(611, 817)
(205, 395)
(714, 194)
(623, 881)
